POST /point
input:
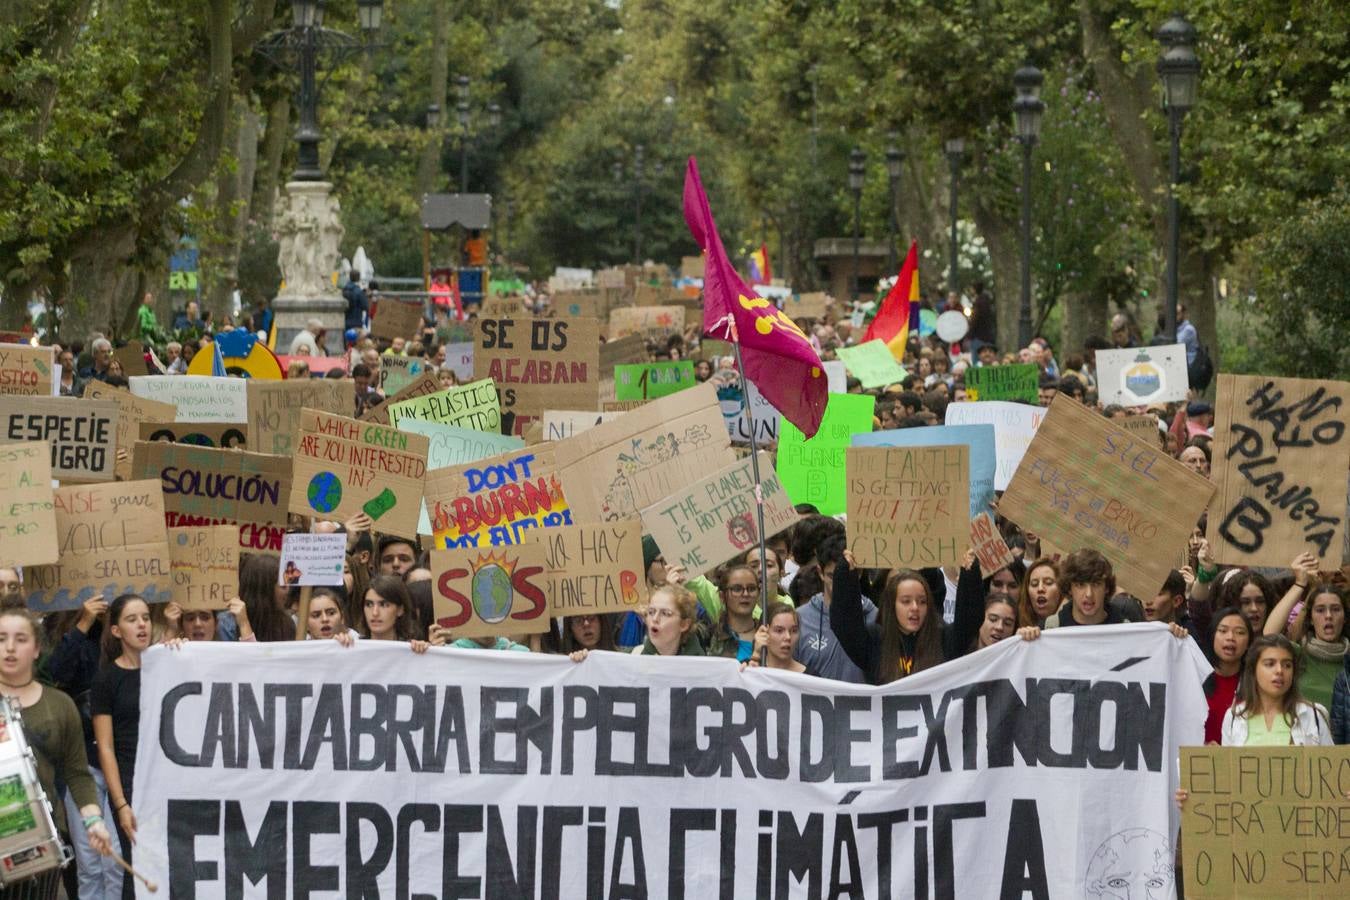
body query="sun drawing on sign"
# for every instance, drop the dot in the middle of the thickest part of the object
(491, 588)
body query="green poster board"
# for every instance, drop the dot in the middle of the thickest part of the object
(812, 471)
(873, 364)
(647, 381)
(1020, 381)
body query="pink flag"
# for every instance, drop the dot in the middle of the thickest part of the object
(778, 358)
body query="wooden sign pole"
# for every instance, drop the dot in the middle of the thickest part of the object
(302, 613)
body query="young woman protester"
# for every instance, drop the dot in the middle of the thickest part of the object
(778, 638)
(1322, 648)
(589, 632)
(1250, 592)
(1230, 638)
(115, 701)
(387, 614)
(326, 620)
(52, 725)
(909, 635)
(671, 612)
(733, 632)
(1038, 598)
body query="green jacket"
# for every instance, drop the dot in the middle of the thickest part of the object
(692, 646)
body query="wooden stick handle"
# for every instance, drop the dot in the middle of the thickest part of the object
(302, 613)
(149, 885)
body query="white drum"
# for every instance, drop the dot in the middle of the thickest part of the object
(29, 843)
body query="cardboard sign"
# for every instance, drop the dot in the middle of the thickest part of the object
(812, 470)
(131, 412)
(806, 306)
(274, 409)
(908, 507)
(490, 592)
(646, 381)
(1144, 427)
(132, 358)
(459, 357)
(396, 318)
(622, 406)
(583, 304)
(82, 434)
(539, 363)
(112, 541)
(27, 511)
(1280, 456)
(990, 548)
(873, 364)
(1266, 822)
(312, 560)
(1086, 483)
(204, 565)
(563, 423)
(198, 398)
(762, 413)
(1140, 376)
(631, 348)
(397, 372)
(209, 486)
(343, 466)
(648, 321)
(493, 502)
(26, 371)
(691, 266)
(427, 383)
(978, 438)
(714, 519)
(618, 468)
(451, 446)
(594, 568)
(1019, 381)
(1014, 424)
(233, 437)
(474, 405)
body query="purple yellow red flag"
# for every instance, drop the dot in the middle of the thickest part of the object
(778, 358)
(892, 321)
(760, 270)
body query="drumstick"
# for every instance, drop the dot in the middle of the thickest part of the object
(149, 885)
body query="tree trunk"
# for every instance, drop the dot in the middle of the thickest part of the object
(268, 182)
(1005, 257)
(430, 160)
(1127, 94)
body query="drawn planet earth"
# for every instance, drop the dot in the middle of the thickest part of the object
(325, 492)
(491, 589)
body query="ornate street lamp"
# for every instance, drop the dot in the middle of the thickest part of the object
(857, 163)
(1027, 110)
(955, 148)
(1179, 70)
(895, 160)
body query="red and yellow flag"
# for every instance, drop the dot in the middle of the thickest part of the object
(777, 357)
(892, 321)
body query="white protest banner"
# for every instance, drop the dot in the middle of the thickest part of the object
(1140, 376)
(1014, 424)
(204, 564)
(199, 398)
(312, 560)
(687, 776)
(28, 533)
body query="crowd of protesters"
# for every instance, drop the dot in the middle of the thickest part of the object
(1277, 639)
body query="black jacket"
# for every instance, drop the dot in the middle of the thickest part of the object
(862, 642)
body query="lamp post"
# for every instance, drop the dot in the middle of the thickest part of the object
(955, 149)
(1027, 110)
(857, 161)
(1180, 72)
(895, 159)
(300, 47)
(466, 136)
